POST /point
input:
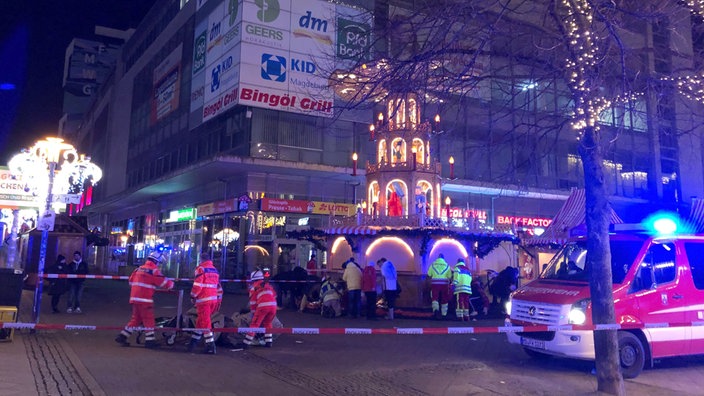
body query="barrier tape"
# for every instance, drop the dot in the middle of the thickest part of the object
(125, 277)
(358, 330)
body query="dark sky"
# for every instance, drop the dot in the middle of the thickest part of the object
(34, 35)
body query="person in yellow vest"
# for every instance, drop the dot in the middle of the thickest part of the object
(440, 276)
(462, 282)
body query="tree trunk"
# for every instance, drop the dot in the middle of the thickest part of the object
(608, 372)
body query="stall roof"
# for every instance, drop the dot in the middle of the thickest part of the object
(572, 214)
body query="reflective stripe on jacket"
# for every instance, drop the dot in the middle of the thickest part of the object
(439, 272)
(261, 295)
(462, 280)
(144, 281)
(206, 284)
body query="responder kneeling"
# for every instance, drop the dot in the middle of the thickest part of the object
(143, 282)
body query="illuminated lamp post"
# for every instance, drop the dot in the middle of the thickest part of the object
(51, 168)
(380, 119)
(371, 131)
(354, 164)
(447, 207)
(452, 167)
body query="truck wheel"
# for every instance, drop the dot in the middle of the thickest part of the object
(631, 354)
(536, 355)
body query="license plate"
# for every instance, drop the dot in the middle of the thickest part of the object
(529, 342)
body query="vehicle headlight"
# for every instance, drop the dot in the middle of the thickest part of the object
(578, 313)
(508, 307)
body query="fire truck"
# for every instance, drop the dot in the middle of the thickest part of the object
(658, 292)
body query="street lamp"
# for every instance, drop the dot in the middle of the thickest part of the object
(51, 169)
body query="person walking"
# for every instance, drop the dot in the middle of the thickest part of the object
(440, 276)
(462, 282)
(77, 267)
(206, 294)
(353, 278)
(369, 289)
(389, 285)
(143, 283)
(58, 286)
(262, 302)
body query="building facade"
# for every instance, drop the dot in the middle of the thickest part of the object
(217, 130)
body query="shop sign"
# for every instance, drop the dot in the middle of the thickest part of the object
(524, 221)
(301, 206)
(116, 230)
(464, 213)
(218, 207)
(181, 215)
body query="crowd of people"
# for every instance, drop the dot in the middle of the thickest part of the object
(370, 287)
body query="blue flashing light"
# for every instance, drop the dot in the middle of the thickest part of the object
(662, 224)
(7, 86)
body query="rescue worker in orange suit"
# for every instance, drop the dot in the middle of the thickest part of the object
(440, 276)
(206, 294)
(262, 302)
(143, 282)
(462, 282)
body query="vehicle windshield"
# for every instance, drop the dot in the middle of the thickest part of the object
(570, 262)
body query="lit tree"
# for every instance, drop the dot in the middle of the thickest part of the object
(513, 54)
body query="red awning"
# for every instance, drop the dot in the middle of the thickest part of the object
(572, 214)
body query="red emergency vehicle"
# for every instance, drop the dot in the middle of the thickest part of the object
(657, 280)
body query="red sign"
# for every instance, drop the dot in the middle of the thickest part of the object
(524, 221)
(298, 206)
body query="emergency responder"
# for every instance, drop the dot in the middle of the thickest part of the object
(462, 282)
(262, 302)
(206, 294)
(143, 282)
(440, 276)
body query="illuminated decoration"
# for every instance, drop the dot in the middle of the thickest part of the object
(227, 235)
(336, 244)
(449, 241)
(452, 167)
(256, 248)
(354, 164)
(51, 169)
(396, 240)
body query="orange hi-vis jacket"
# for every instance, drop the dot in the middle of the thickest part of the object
(261, 295)
(144, 281)
(206, 284)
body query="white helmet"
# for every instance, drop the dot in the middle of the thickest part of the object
(256, 275)
(156, 256)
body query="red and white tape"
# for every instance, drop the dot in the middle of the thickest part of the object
(123, 277)
(362, 330)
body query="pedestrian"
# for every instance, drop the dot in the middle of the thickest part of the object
(389, 284)
(440, 276)
(353, 278)
(312, 265)
(462, 282)
(206, 294)
(330, 294)
(262, 302)
(58, 286)
(143, 283)
(369, 289)
(77, 267)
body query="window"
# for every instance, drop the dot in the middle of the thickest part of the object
(657, 268)
(695, 257)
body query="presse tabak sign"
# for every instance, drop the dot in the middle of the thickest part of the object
(275, 54)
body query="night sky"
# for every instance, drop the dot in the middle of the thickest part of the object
(34, 35)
